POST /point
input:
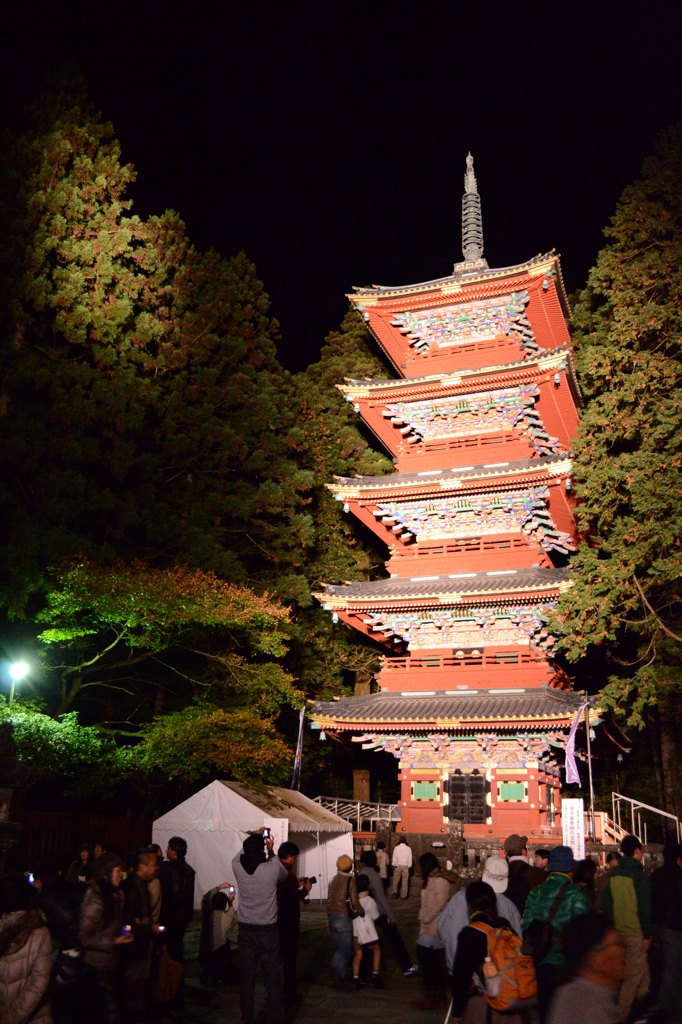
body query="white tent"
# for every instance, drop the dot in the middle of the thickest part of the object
(216, 821)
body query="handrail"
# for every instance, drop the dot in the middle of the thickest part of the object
(358, 811)
(637, 806)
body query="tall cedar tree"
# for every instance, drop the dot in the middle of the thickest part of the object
(331, 659)
(627, 588)
(147, 426)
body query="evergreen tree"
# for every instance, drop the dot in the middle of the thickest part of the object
(628, 452)
(148, 461)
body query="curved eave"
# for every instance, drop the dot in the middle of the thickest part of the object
(461, 280)
(511, 722)
(440, 385)
(461, 483)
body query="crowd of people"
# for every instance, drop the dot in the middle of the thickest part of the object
(577, 938)
(104, 941)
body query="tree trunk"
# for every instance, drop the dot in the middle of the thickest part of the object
(669, 719)
(653, 725)
(159, 701)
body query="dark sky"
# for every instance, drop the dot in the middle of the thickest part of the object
(328, 139)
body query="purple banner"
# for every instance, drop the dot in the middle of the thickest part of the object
(296, 777)
(571, 766)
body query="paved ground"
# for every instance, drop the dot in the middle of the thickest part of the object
(321, 1002)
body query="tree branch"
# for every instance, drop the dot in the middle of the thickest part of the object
(87, 664)
(665, 629)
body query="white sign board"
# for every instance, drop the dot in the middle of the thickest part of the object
(573, 826)
(279, 828)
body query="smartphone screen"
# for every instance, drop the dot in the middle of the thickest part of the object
(231, 890)
(126, 929)
(31, 879)
(266, 833)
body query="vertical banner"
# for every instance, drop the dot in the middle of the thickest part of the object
(296, 777)
(573, 826)
(571, 766)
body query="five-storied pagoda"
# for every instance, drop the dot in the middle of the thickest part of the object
(479, 526)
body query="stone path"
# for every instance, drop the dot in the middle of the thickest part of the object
(321, 1002)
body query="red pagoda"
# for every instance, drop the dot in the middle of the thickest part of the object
(478, 522)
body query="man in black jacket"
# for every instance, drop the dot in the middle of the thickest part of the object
(518, 887)
(177, 897)
(290, 893)
(137, 958)
(61, 904)
(666, 911)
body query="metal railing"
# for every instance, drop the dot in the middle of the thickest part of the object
(639, 826)
(360, 811)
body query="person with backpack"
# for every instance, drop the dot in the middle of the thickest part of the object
(626, 901)
(343, 905)
(549, 908)
(455, 917)
(490, 960)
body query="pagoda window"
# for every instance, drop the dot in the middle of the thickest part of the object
(424, 790)
(467, 799)
(513, 792)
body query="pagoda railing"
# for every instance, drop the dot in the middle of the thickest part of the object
(471, 545)
(360, 811)
(471, 441)
(437, 661)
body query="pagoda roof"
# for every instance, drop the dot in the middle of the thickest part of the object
(450, 709)
(464, 381)
(446, 589)
(468, 274)
(443, 479)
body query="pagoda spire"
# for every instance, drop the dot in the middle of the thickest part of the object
(472, 222)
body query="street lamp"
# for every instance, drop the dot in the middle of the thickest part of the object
(18, 671)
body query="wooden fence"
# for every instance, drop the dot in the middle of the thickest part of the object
(60, 836)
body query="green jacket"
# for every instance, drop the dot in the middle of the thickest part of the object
(626, 900)
(539, 904)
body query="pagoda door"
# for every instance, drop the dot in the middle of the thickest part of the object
(467, 801)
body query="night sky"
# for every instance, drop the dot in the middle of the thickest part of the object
(328, 140)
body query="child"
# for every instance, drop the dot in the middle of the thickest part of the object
(365, 934)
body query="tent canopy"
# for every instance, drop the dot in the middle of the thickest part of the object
(303, 813)
(216, 820)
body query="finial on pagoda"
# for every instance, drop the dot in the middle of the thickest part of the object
(472, 221)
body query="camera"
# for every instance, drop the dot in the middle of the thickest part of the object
(312, 880)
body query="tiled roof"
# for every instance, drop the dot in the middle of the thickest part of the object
(508, 581)
(460, 276)
(542, 464)
(540, 703)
